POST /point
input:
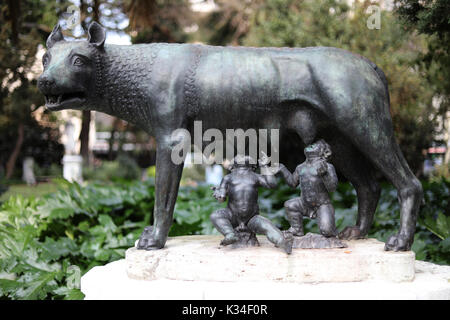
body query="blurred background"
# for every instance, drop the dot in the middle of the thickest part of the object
(114, 160)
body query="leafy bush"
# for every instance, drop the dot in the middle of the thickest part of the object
(439, 172)
(123, 168)
(192, 210)
(54, 171)
(44, 240)
(433, 236)
(3, 188)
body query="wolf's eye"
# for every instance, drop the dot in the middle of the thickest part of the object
(77, 61)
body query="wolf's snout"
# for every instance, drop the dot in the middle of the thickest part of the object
(45, 84)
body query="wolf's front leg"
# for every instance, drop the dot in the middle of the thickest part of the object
(168, 176)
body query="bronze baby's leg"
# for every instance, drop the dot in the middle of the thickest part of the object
(325, 220)
(261, 225)
(221, 220)
(294, 214)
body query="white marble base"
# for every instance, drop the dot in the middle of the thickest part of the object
(110, 282)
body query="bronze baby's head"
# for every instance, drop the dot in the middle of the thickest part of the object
(241, 161)
(318, 149)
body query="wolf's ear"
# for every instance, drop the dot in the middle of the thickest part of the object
(96, 34)
(55, 36)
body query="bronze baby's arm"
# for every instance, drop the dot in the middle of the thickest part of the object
(267, 177)
(329, 176)
(292, 179)
(220, 193)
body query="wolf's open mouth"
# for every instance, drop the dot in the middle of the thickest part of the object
(54, 101)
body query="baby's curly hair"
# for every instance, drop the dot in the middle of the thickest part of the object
(324, 149)
(243, 161)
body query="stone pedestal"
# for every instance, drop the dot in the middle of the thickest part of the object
(28, 171)
(202, 258)
(72, 168)
(196, 267)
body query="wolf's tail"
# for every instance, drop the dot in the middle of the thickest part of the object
(382, 77)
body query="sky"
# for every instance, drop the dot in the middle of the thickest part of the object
(112, 37)
(121, 38)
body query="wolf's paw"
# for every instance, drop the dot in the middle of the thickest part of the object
(147, 241)
(398, 242)
(350, 233)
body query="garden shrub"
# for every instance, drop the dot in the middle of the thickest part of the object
(76, 227)
(123, 168)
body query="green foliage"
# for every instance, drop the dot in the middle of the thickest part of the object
(3, 188)
(435, 218)
(194, 173)
(123, 168)
(53, 171)
(41, 239)
(441, 171)
(27, 191)
(158, 20)
(430, 17)
(192, 210)
(22, 30)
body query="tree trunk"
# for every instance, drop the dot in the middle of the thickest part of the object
(13, 157)
(86, 118)
(112, 139)
(84, 136)
(14, 12)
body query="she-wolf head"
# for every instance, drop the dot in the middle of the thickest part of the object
(70, 79)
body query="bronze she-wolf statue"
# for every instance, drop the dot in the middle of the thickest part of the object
(316, 93)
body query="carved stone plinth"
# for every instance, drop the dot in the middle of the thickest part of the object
(317, 241)
(246, 239)
(201, 258)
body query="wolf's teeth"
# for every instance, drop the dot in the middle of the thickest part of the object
(53, 99)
